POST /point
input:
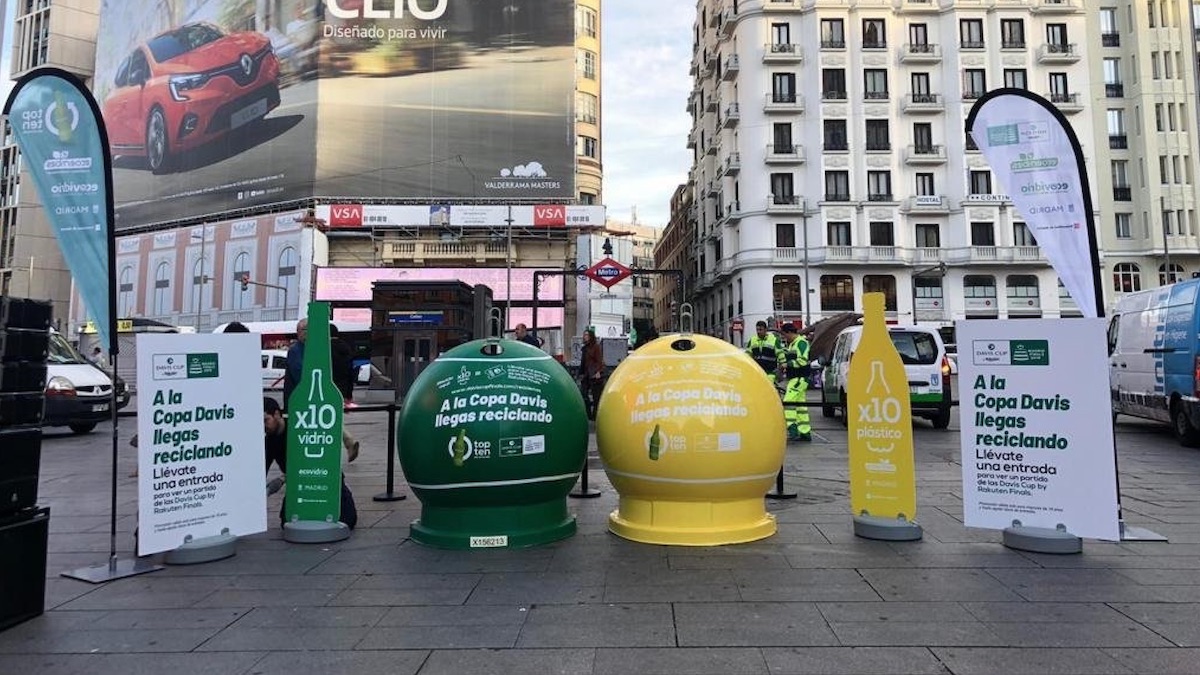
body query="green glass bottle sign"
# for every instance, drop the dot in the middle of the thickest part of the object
(314, 455)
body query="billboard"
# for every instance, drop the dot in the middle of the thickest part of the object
(350, 216)
(217, 105)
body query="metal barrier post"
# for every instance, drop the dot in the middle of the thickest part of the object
(390, 495)
(585, 492)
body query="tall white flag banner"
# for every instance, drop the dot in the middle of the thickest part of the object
(1037, 161)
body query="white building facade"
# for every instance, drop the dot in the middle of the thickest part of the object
(831, 157)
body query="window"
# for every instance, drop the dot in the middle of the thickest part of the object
(1158, 117)
(241, 270)
(1164, 172)
(1059, 91)
(920, 89)
(879, 186)
(783, 87)
(1012, 33)
(588, 147)
(979, 183)
(918, 35)
(587, 198)
(969, 142)
(1112, 71)
(586, 108)
(837, 233)
(837, 293)
(1022, 236)
(875, 84)
(1175, 276)
(877, 135)
(970, 33)
(781, 34)
(923, 136)
(126, 294)
(928, 235)
(881, 233)
(835, 135)
(979, 286)
(924, 185)
(1154, 72)
(162, 289)
(586, 22)
(786, 289)
(1123, 223)
(833, 34)
(1127, 278)
(882, 283)
(1056, 34)
(833, 84)
(1109, 34)
(1016, 77)
(785, 235)
(585, 64)
(837, 186)
(782, 189)
(1021, 287)
(199, 278)
(1120, 173)
(781, 138)
(983, 234)
(874, 34)
(1170, 117)
(288, 277)
(974, 83)
(1116, 122)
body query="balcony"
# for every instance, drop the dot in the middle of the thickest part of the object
(1068, 103)
(833, 44)
(1122, 193)
(881, 198)
(733, 115)
(923, 104)
(1110, 39)
(1056, 6)
(782, 53)
(876, 96)
(830, 96)
(733, 164)
(785, 204)
(920, 53)
(879, 146)
(728, 22)
(1114, 90)
(925, 155)
(972, 94)
(971, 45)
(733, 213)
(780, 102)
(1012, 44)
(874, 44)
(714, 189)
(918, 6)
(732, 68)
(837, 196)
(785, 154)
(710, 104)
(421, 250)
(926, 204)
(836, 146)
(1118, 141)
(780, 5)
(1057, 52)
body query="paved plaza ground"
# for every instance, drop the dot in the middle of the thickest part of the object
(811, 599)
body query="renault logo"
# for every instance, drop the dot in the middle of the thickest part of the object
(247, 63)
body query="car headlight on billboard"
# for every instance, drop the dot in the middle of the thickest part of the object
(182, 83)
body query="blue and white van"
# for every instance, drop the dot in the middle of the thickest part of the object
(1154, 361)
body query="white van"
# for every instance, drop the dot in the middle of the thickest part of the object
(78, 394)
(1154, 360)
(925, 362)
(274, 365)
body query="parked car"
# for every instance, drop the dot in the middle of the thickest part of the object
(78, 394)
(925, 362)
(187, 87)
(1154, 358)
(274, 365)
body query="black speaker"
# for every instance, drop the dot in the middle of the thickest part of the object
(21, 409)
(19, 344)
(18, 376)
(23, 540)
(20, 460)
(23, 313)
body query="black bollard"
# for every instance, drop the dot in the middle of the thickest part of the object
(390, 495)
(779, 493)
(584, 492)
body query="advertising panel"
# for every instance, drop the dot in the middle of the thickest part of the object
(541, 216)
(354, 283)
(1037, 446)
(215, 105)
(200, 458)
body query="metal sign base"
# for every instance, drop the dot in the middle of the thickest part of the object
(314, 532)
(202, 550)
(115, 569)
(1131, 533)
(886, 529)
(1042, 540)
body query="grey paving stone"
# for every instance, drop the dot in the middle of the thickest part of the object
(803, 585)
(276, 598)
(602, 625)
(941, 584)
(1158, 661)
(441, 637)
(670, 593)
(1159, 612)
(1026, 661)
(60, 591)
(294, 617)
(510, 662)
(728, 562)
(751, 624)
(455, 616)
(289, 560)
(414, 581)
(913, 633)
(1125, 592)
(899, 611)
(1163, 577)
(664, 576)
(1022, 578)
(1024, 612)
(290, 582)
(116, 597)
(680, 661)
(300, 638)
(341, 663)
(389, 597)
(95, 640)
(130, 664)
(1067, 634)
(852, 661)
(538, 587)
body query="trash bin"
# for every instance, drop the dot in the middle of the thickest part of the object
(23, 540)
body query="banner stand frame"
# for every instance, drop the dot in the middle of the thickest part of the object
(314, 532)
(887, 529)
(203, 549)
(1056, 541)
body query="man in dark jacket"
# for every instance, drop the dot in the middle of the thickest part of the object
(275, 438)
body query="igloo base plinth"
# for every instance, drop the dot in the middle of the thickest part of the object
(691, 523)
(470, 527)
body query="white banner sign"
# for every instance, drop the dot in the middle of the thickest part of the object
(1033, 156)
(1037, 445)
(200, 438)
(541, 216)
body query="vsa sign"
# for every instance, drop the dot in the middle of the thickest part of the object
(345, 215)
(550, 216)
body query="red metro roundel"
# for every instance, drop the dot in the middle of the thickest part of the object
(608, 272)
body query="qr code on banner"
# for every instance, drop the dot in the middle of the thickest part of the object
(533, 445)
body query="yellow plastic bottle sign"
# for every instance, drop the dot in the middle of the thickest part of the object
(882, 478)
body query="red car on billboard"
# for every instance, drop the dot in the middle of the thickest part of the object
(187, 87)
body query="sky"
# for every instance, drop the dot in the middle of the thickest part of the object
(646, 52)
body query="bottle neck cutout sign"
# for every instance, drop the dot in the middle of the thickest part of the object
(882, 478)
(314, 449)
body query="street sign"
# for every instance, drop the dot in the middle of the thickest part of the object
(738, 326)
(608, 272)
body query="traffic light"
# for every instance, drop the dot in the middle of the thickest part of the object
(245, 282)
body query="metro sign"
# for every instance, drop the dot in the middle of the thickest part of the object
(547, 216)
(346, 215)
(608, 272)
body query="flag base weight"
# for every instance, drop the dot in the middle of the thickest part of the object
(1042, 540)
(886, 529)
(115, 569)
(314, 532)
(203, 549)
